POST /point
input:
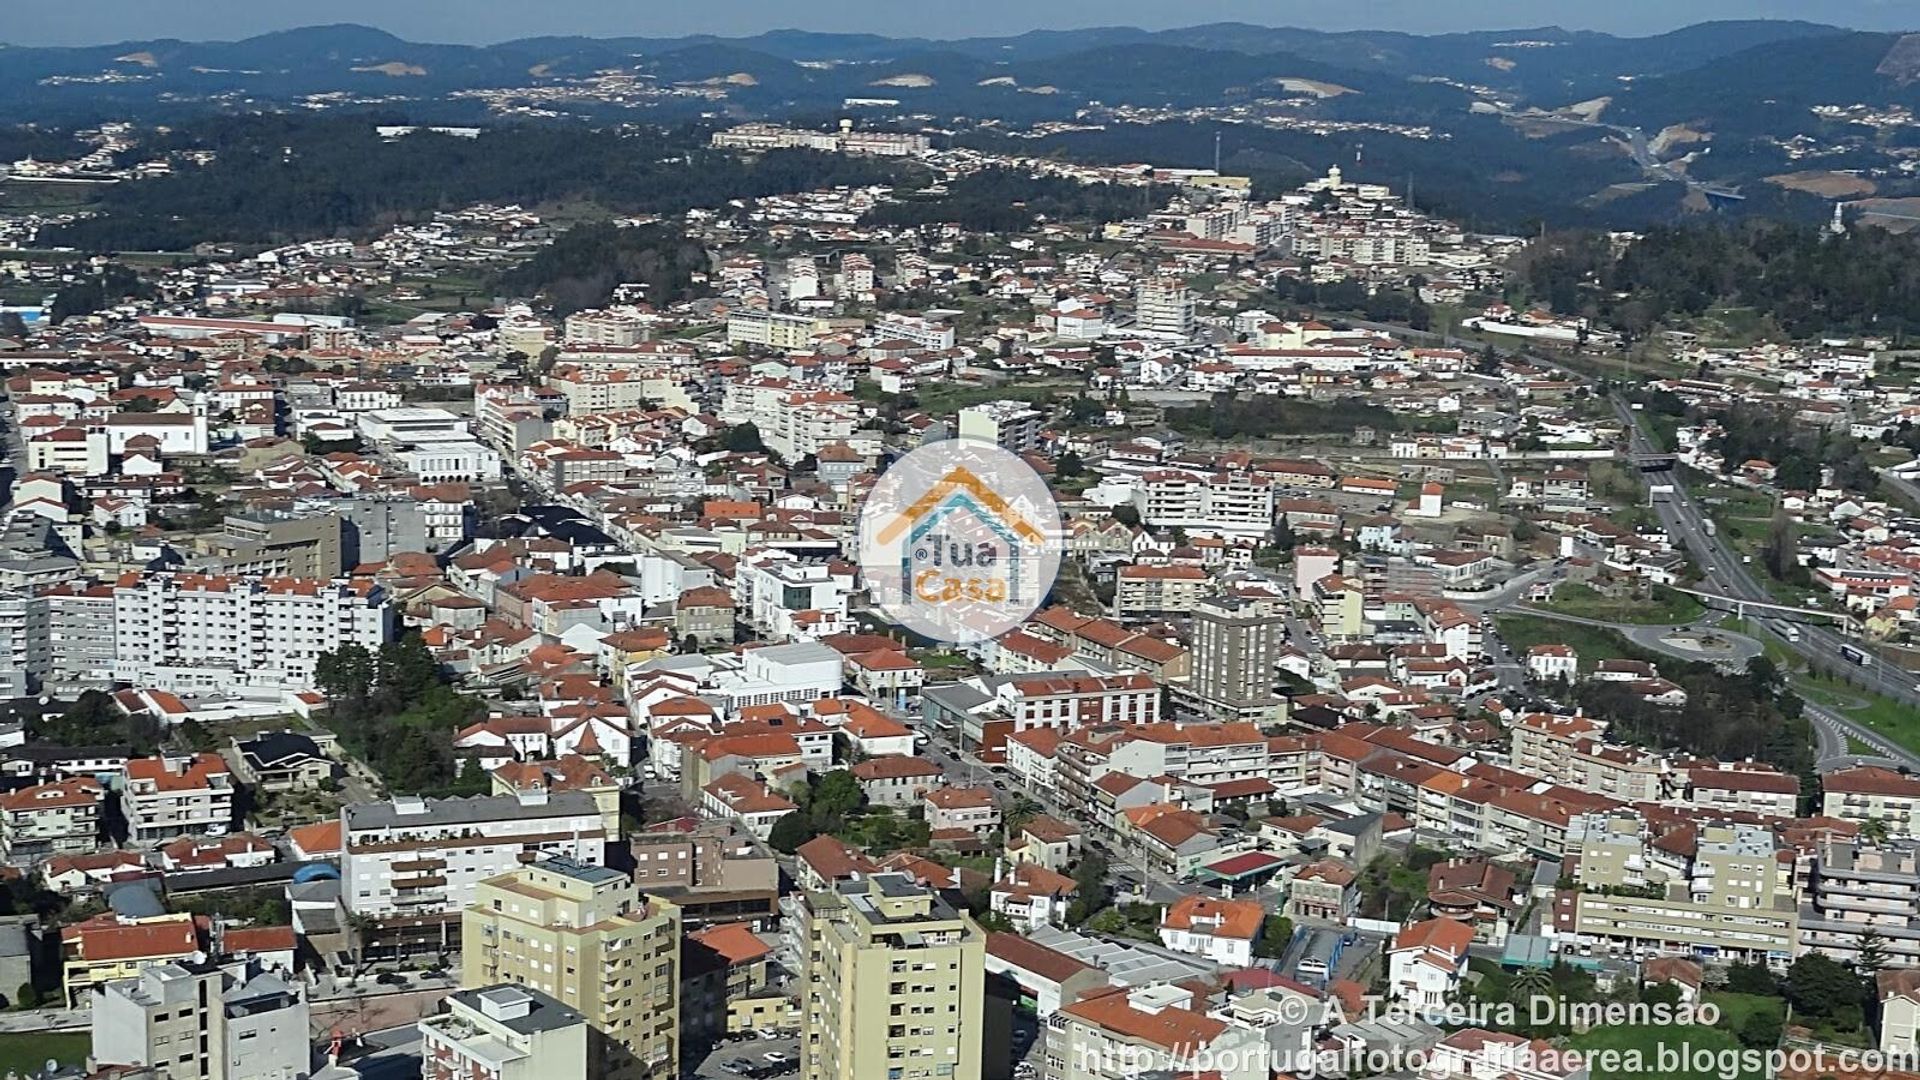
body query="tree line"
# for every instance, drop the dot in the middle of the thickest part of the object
(1807, 280)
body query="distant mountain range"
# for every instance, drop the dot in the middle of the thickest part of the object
(1623, 129)
(1728, 63)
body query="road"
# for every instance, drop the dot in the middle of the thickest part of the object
(1727, 576)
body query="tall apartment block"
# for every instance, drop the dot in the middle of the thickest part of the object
(893, 983)
(1164, 306)
(1236, 643)
(589, 938)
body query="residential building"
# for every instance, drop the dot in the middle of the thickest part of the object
(588, 937)
(1870, 793)
(914, 965)
(503, 1032)
(174, 796)
(109, 947)
(1236, 646)
(1725, 897)
(1426, 962)
(281, 761)
(196, 1021)
(1148, 589)
(56, 818)
(1223, 931)
(1012, 425)
(191, 633)
(1164, 306)
(412, 864)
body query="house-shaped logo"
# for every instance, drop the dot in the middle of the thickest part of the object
(959, 540)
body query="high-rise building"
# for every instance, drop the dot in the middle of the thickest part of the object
(587, 936)
(1164, 306)
(1236, 643)
(916, 968)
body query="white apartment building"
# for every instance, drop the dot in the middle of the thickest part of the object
(856, 274)
(772, 592)
(930, 334)
(1224, 505)
(503, 1032)
(419, 858)
(1164, 306)
(598, 327)
(769, 329)
(442, 462)
(1013, 425)
(193, 633)
(177, 796)
(804, 423)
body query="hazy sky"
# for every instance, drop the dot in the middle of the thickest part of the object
(83, 22)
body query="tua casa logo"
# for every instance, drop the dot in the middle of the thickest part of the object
(960, 541)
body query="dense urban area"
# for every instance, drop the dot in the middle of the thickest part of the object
(434, 642)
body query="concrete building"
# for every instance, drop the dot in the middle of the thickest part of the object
(195, 1021)
(892, 983)
(1012, 425)
(1236, 646)
(567, 929)
(503, 1032)
(414, 864)
(1164, 306)
(1728, 899)
(193, 633)
(282, 545)
(175, 796)
(58, 818)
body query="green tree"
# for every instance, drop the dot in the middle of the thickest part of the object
(1275, 934)
(833, 799)
(1761, 1030)
(1872, 958)
(1752, 979)
(744, 439)
(790, 832)
(1818, 986)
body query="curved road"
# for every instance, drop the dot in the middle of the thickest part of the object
(1728, 577)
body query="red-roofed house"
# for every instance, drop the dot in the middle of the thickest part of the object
(1426, 961)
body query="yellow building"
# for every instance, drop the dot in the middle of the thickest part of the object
(916, 968)
(108, 947)
(589, 938)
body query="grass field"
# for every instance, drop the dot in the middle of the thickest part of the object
(24, 1052)
(1736, 1008)
(1522, 632)
(1665, 606)
(1889, 718)
(1635, 1052)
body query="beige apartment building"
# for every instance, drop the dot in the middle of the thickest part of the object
(1731, 899)
(589, 938)
(916, 968)
(1870, 793)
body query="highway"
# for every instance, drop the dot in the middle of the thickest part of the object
(1726, 575)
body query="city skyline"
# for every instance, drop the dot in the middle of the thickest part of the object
(44, 23)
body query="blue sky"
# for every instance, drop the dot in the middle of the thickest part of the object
(80, 22)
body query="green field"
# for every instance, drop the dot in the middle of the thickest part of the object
(1889, 718)
(1664, 607)
(1646, 1043)
(1522, 632)
(1736, 1008)
(24, 1052)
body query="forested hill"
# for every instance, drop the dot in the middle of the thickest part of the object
(279, 178)
(1806, 280)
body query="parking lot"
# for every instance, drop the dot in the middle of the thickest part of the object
(753, 1058)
